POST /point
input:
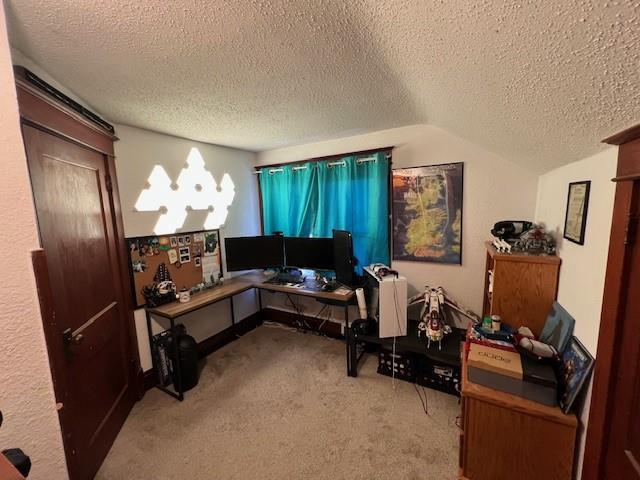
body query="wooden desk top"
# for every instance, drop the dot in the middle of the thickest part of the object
(239, 284)
(176, 309)
(341, 294)
(513, 402)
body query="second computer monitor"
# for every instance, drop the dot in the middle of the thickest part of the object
(248, 253)
(313, 253)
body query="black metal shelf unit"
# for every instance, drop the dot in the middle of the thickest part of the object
(431, 367)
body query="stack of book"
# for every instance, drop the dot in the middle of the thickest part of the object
(502, 339)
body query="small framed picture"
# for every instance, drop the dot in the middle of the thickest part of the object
(180, 241)
(173, 241)
(187, 239)
(196, 261)
(575, 221)
(575, 367)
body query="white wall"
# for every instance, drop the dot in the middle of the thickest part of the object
(27, 399)
(583, 266)
(494, 189)
(137, 152)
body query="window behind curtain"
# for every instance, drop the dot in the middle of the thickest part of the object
(313, 198)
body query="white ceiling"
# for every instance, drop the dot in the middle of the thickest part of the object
(540, 82)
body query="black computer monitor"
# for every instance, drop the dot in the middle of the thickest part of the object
(313, 253)
(343, 257)
(248, 253)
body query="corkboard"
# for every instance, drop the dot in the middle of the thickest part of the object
(197, 253)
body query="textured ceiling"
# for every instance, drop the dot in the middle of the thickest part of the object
(539, 82)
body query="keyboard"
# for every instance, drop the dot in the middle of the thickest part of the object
(311, 284)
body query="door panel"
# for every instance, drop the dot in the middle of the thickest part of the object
(623, 446)
(74, 234)
(77, 234)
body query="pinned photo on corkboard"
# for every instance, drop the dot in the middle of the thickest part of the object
(427, 213)
(184, 254)
(211, 261)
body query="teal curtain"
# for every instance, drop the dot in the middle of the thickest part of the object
(289, 199)
(345, 194)
(354, 196)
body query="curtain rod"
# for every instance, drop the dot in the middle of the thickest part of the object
(359, 161)
(387, 150)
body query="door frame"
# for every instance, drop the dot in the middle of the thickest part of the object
(42, 112)
(611, 321)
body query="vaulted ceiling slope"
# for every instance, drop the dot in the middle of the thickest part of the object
(538, 82)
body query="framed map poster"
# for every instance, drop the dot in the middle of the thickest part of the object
(427, 213)
(575, 221)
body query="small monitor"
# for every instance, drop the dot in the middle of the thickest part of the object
(343, 257)
(248, 253)
(313, 253)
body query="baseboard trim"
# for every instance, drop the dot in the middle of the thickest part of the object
(214, 342)
(220, 339)
(330, 328)
(149, 380)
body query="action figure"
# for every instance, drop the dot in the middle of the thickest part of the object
(432, 323)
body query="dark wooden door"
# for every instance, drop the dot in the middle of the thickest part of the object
(623, 445)
(88, 339)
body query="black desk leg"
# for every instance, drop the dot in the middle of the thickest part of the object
(346, 316)
(176, 363)
(150, 334)
(233, 317)
(352, 352)
(260, 305)
(352, 355)
(346, 338)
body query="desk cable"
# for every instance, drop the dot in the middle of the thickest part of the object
(424, 401)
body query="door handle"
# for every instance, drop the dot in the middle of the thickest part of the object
(69, 339)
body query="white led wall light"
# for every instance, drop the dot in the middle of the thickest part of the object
(196, 188)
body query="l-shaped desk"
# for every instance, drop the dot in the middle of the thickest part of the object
(342, 296)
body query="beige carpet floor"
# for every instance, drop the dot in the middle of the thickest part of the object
(277, 404)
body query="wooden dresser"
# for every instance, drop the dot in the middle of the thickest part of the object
(506, 437)
(524, 287)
